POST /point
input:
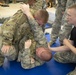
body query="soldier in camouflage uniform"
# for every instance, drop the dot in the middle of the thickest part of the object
(67, 52)
(15, 32)
(60, 20)
(21, 17)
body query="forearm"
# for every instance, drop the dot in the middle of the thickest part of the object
(61, 48)
(29, 15)
(69, 44)
(72, 48)
(7, 36)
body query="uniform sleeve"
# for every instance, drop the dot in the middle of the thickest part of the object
(38, 33)
(9, 27)
(8, 32)
(37, 30)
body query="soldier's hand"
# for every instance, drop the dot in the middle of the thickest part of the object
(25, 8)
(5, 49)
(27, 44)
(66, 41)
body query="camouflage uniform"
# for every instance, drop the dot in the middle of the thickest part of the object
(66, 56)
(60, 20)
(16, 31)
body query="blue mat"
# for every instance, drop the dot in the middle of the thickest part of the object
(49, 68)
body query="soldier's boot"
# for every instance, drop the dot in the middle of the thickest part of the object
(65, 57)
(72, 72)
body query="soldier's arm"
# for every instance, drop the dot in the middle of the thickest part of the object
(9, 27)
(37, 30)
(69, 44)
(60, 48)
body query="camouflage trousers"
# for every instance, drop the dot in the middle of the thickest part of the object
(66, 57)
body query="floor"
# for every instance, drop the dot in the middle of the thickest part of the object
(9, 11)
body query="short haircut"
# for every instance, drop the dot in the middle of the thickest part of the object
(43, 14)
(72, 7)
(46, 56)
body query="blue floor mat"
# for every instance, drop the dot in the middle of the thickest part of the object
(49, 68)
(48, 25)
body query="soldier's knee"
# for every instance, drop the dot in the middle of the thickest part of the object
(57, 57)
(61, 57)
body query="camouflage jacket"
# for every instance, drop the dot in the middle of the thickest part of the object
(12, 31)
(60, 20)
(16, 27)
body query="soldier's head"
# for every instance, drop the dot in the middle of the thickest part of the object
(43, 53)
(41, 16)
(71, 14)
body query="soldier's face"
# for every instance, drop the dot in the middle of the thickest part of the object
(71, 16)
(39, 20)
